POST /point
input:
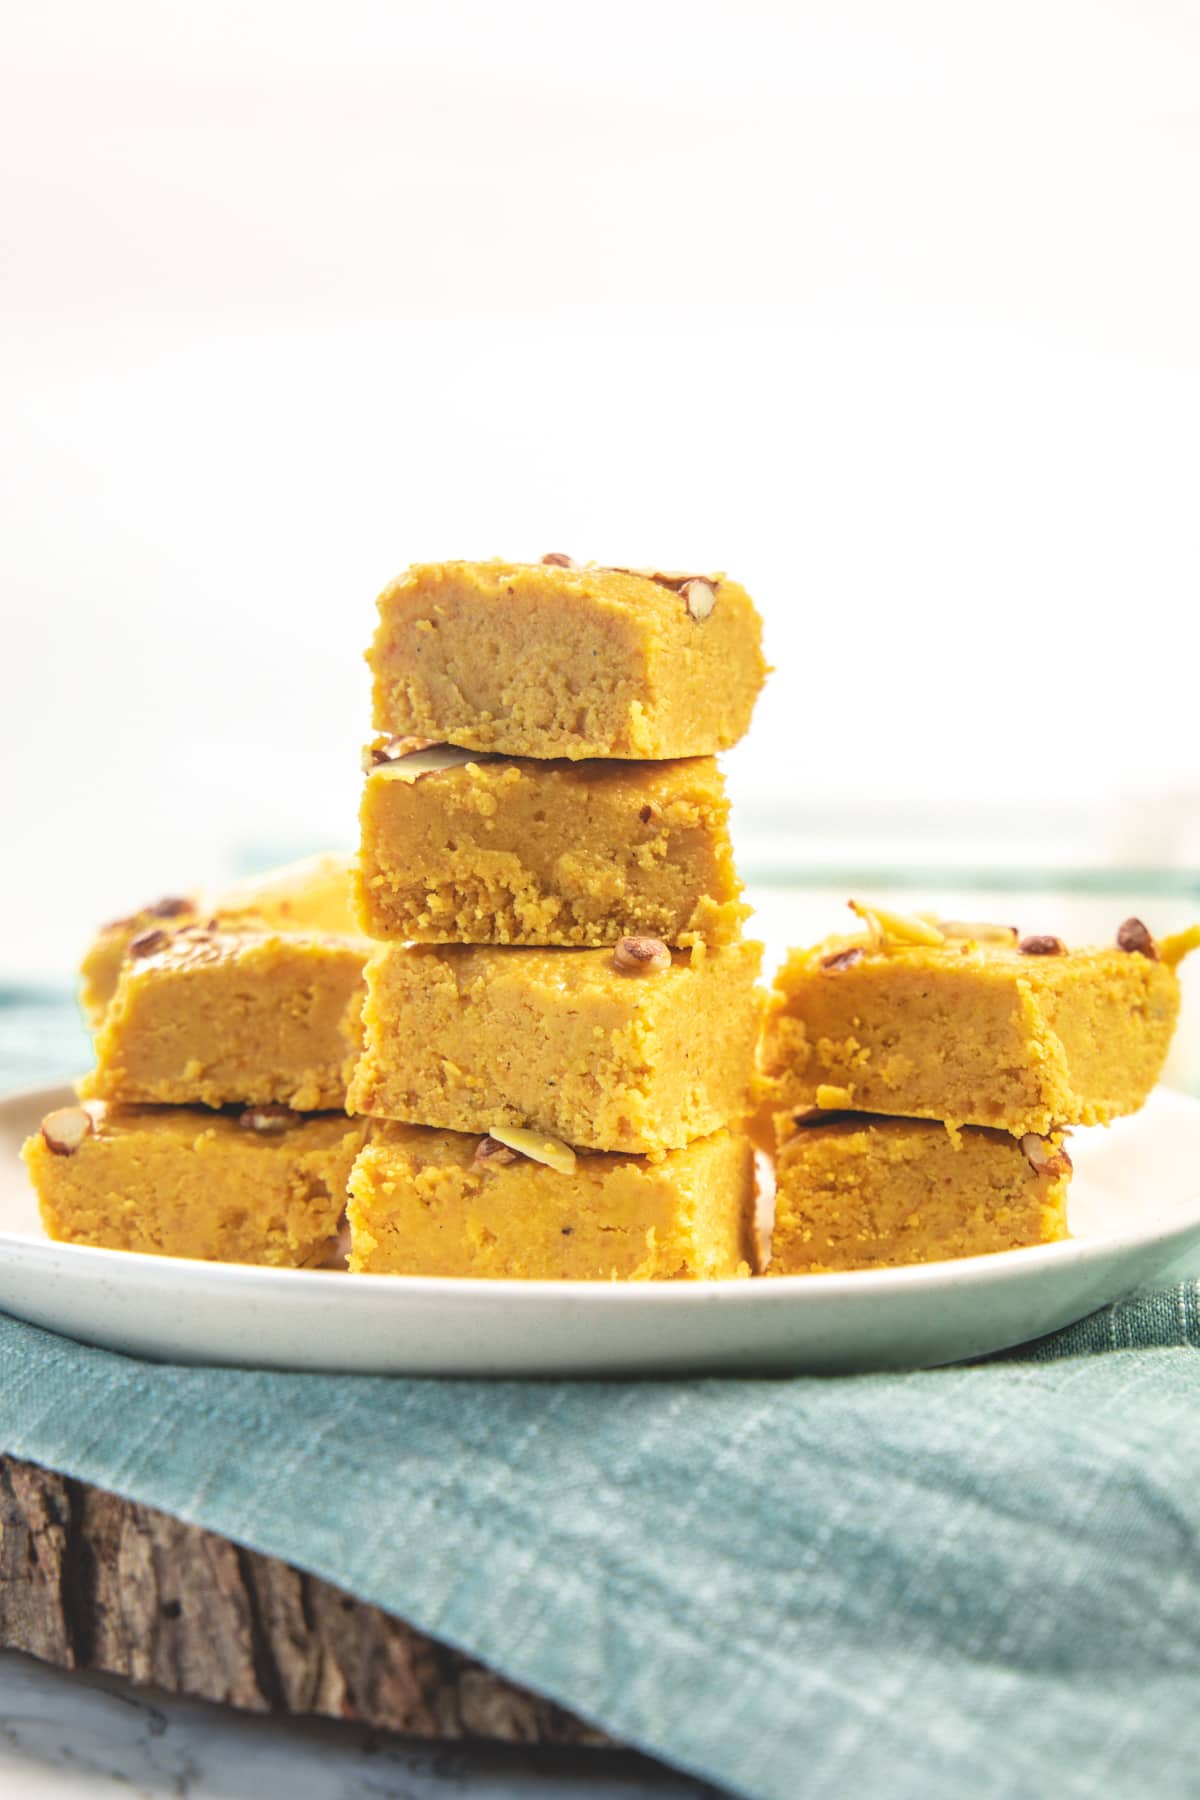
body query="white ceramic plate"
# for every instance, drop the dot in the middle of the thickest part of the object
(1135, 1215)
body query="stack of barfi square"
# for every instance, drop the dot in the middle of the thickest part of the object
(214, 1123)
(920, 1076)
(560, 1021)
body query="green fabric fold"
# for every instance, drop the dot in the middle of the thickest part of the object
(981, 1580)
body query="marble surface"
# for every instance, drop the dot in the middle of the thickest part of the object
(69, 1737)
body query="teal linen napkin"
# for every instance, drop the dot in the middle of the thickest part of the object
(980, 1582)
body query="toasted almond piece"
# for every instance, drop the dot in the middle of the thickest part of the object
(641, 956)
(1133, 936)
(171, 906)
(842, 959)
(1179, 944)
(383, 750)
(875, 933)
(700, 596)
(668, 578)
(981, 931)
(897, 928)
(812, 1118)
(1043, 1157)
(270, 1119)
(422, 758)
(538, 1146)
(490, 1153)
(65, 1129)
(675, 579)
(557, 560)
(147, 942)
(1045, 945)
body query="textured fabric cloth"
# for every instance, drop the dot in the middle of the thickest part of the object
(42, 1037)
(976, 1581)
(981, 1581)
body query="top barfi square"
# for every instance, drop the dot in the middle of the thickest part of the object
(547, 660)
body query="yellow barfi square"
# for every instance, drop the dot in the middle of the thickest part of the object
(469, 1038)
(535, 659)
(316, 894)
(433, 1203)
(254, 1186)
(870, 1193)
(1017, 1033)
(214, 1017)
(459, 847)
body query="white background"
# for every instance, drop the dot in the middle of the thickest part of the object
(891, 310)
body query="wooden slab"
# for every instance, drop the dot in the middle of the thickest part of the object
(90, 1581)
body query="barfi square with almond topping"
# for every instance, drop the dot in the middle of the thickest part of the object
(459, 847)
(470, 1037)
(870, 1193)
(536, 659)
(969, 1031)
(179, 1181)
(315, 894)
(214, 1017)
(427, 1203)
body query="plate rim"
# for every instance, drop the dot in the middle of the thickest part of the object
(989, 1269)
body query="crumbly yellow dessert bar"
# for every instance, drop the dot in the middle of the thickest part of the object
(635, 1048)
(214, 1017)
(549, 659)
(313, 895)
(440, 1203)
(260, 1185)
(861, 1192)
(459, 847)
(971, 1023)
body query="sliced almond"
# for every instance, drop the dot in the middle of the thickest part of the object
(65, 1129)
(668, 578)
(981, 931)
(1179, 944)
(1043, 945)
(557, 560)
(269, 1120)
(171, 906)
(383, 750)
(1045, 1157)
(147, 942)
(897, 928)
(842, 959)
(875, 936)
(700, 596)
(678, 581)
(538, 1146)
(422, 758)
